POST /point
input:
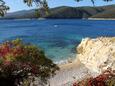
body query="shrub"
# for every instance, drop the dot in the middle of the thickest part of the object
(19, 61)
(107, 78)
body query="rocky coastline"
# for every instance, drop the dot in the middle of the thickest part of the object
(93, 57)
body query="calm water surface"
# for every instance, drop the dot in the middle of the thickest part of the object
(58, 38)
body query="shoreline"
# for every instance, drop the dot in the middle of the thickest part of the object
(62, 19)
(69, 64)
(101, 19)
(69, 73)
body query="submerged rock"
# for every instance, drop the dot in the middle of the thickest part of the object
(97, 54)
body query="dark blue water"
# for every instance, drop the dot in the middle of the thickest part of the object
(58, 38)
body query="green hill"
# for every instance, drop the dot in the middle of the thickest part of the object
(106, 14)
(65, 12)
(72, 12)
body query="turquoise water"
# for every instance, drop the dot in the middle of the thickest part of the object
(58, 38)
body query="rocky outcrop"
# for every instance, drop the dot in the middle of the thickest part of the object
(97, 54)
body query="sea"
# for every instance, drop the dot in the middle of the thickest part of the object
(57, 37)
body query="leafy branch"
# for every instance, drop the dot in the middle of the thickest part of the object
(3, 8)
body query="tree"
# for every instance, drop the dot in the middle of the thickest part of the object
(3, 8)
(42, 4)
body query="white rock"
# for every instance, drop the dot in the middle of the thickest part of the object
(97, 54)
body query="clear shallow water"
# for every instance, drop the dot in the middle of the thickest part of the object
(58, 38)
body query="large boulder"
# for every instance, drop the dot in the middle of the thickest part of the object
(97, 54)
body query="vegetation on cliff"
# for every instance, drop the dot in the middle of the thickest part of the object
(20, 61)
(107, 78)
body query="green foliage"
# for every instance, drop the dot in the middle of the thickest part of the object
(37, 13)
(18, 61)
(42, 4)
(3, 8)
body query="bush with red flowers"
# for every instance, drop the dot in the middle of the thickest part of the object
(18, 61)
(107, 78)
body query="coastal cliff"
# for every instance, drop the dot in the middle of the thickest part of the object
(97, 54)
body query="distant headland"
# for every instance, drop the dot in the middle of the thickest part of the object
(65, 12)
